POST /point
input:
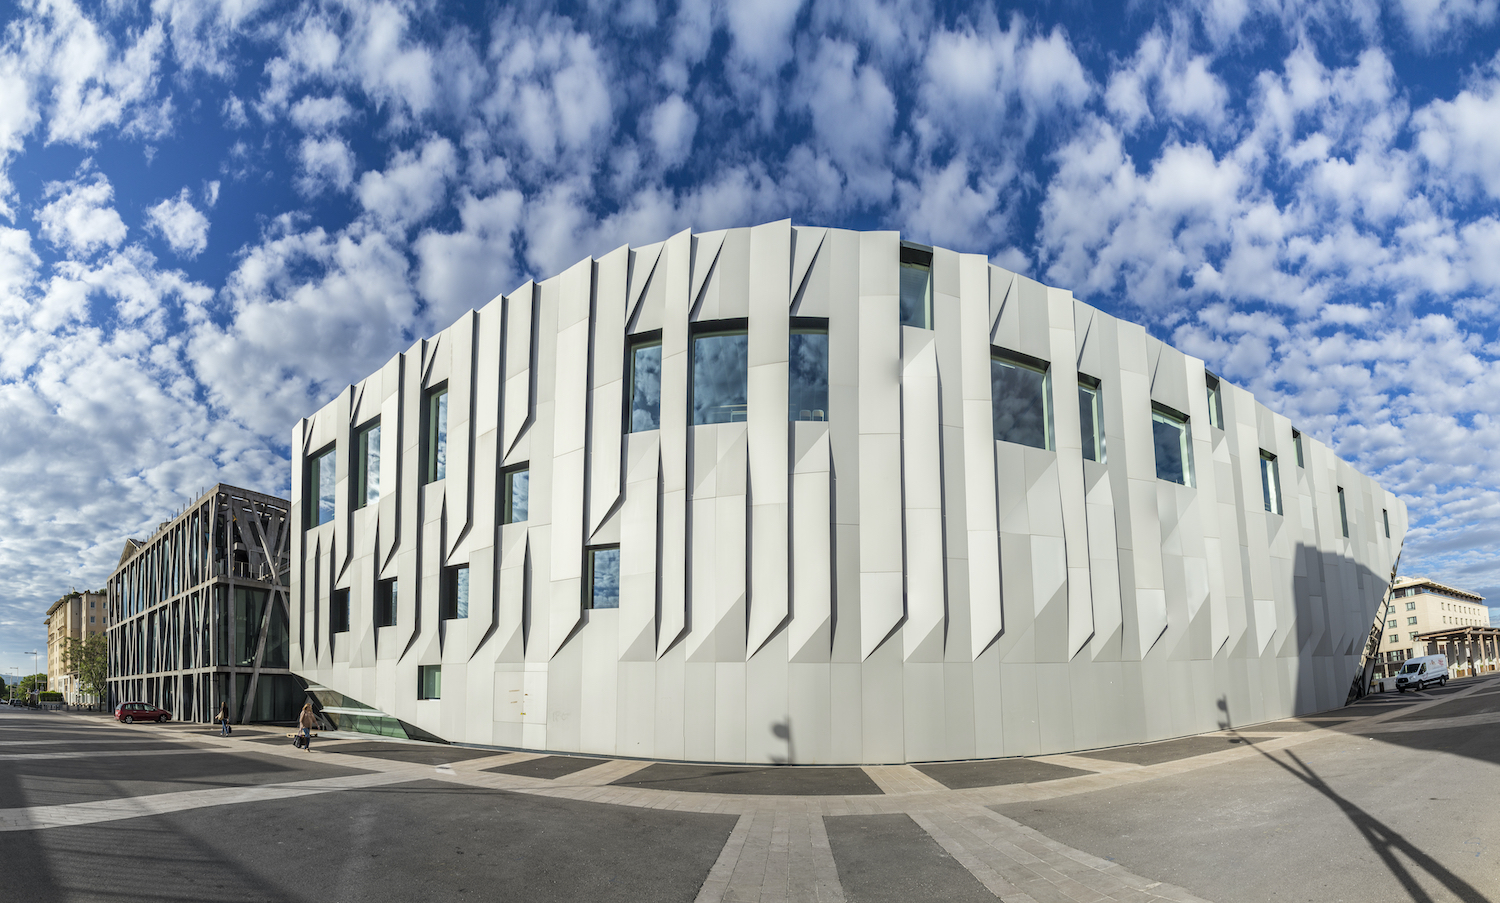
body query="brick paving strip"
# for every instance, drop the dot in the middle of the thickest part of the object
(779, 848)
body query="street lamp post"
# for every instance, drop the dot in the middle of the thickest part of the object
(34, 653)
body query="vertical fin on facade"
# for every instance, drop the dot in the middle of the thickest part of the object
(767, 388)
(922, 501)
(520, 309)
(642, 267)
(806, 242)
(639, 552)
(811, 544)
(986, 613)
(607, 389)
(1063, 354)
(569, 436)
(881, 544)
(675, 423)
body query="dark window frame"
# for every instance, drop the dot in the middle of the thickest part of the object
(1178, 419)
(1215, 390)
(361, 481)
(507, 500)
(338, 612)
(387, 596)
(806, 326)
(311, 476)
(1270, 481)
(709, 329)
(1093, 388)
(422, 672)
(589, 557)
(634, 343)
(1343, 512)
(914, 255)
(1024, 361)
(449, 608)
(430, 440)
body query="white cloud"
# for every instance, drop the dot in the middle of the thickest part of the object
(1457, 138)
(180, 224)
(79, 217)
(412, 187)
(852, 113)
(1165, 75)
(321, 114)
(324, 163)
(462, 270)
(1430, 20)
(671, 127)
(551, 96)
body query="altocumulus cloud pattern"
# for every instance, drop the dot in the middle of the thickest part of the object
(213, 217)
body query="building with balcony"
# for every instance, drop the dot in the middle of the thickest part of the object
(198, 612)
(805, 495)
(75, 616)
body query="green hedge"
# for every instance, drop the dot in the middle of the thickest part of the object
(51, 696)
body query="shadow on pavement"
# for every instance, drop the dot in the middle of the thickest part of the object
(1383, 840)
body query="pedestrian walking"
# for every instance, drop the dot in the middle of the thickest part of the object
(223, 719)
(307, 721)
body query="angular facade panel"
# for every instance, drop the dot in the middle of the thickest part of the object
(780, 494)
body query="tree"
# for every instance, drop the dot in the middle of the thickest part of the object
(90, 658)
(31, 684)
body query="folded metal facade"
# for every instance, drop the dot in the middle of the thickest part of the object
(878, 580)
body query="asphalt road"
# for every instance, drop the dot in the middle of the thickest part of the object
(1392, 799)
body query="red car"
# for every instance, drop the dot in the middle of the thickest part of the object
(131, 712)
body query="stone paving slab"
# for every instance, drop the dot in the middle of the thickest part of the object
(547, 767)
(1169, 750)
(891, 859)
(738, 779)
(427, 754)
(993, 772)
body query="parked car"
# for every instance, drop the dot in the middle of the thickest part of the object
(1418, 672)
(131, 712)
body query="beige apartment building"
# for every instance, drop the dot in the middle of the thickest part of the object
(1420, 607)
(78, 615)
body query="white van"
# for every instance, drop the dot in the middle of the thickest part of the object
(1418, 672)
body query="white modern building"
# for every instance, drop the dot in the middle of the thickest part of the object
(784, 494)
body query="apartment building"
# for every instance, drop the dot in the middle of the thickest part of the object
(1421, 608)
(79, 616)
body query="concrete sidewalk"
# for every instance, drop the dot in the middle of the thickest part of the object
(1385, 800)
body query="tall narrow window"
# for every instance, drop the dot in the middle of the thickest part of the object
(338, 612)
(1297, 444)
(603, 589)
(429, 681)
(1343, 512)
(437, 433)
(1215, 401)
(1385, 515)
(720, 377)
(320, 482)
(385, 602)
(455, 594)
(645, 384)
(1270, 482)
(916, 288)
(807, 372)
(1091, 418)
(516, 485)
(1174, 456)
(1021, 395)
(367, 464)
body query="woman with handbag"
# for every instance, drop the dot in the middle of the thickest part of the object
(307, 721)
(223, 718)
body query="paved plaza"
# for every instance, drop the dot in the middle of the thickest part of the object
(1393, 798)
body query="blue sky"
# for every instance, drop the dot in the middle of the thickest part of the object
(213, 216)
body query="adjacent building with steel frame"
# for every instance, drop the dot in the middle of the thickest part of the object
(198, 612)
(784, 494)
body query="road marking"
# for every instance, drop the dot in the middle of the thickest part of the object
(70, 815)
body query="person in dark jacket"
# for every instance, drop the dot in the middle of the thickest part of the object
(223, 719)
(307, 721)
